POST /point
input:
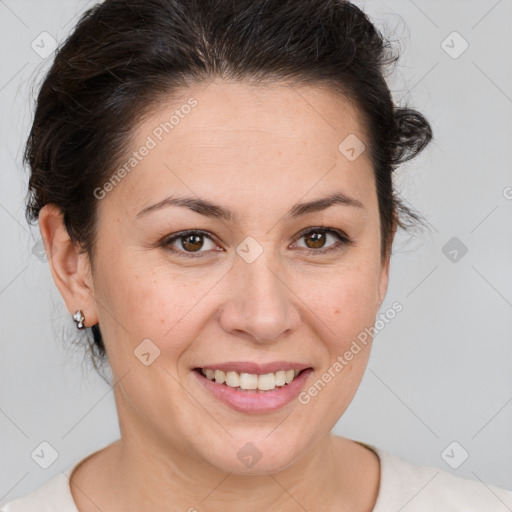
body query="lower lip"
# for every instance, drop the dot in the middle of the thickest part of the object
(255, 401)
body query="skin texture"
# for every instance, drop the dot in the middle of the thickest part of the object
(258, 150)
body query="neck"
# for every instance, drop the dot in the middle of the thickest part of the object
(151, 476)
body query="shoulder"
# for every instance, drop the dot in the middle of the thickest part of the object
(53, 496)
(426, 488)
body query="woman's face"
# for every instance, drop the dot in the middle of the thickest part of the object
(245, 289)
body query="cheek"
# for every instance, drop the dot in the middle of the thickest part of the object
(152, 303)
(344, 299)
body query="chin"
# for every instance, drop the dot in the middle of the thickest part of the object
(256, 454)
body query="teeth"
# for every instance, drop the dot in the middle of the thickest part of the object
(248, 381)
(211, 373)
(251, 381)
(280, 378)
(232, 379)
(220, 376)
(266, 382)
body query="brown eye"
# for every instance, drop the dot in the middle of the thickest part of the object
(316, 238)
(187, 243)
(192, 242)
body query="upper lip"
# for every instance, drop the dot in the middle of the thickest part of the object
(251, 367)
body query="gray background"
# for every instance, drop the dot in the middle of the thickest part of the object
(439, 372)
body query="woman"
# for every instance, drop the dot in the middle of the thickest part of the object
(213, 182)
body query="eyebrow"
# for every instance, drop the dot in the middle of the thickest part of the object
(209, 209)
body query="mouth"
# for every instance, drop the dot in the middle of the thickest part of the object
(251, 381)
(259, 392)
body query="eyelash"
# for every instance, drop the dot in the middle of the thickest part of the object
(344, 240)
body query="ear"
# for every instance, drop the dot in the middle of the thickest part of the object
(71, 270)
(384, 274)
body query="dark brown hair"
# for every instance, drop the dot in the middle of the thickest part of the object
(126, 56)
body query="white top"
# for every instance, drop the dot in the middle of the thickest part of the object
(403, 485)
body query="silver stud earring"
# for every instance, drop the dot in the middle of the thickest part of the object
(79, 318)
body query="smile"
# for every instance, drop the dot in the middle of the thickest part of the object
(255, 393)
(251, 381)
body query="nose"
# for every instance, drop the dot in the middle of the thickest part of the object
(261, 304)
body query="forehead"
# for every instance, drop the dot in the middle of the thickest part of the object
(269, 113)
(241, 136)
